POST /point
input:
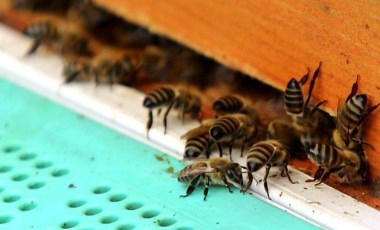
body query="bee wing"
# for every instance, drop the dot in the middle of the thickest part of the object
(200, 170)
(195, 132)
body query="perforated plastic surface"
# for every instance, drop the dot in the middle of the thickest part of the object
(60, 170)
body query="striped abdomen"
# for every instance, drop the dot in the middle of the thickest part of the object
(325, 156)
(224, 128)
(228, 104)
(293, 98)
(352, 112)
(159, 97)
(197, 145)
(187, 174)
(41, 31)
(260, 153)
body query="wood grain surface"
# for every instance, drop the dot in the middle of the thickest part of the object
(275, 40)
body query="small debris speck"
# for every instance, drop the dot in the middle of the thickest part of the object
(71, 186)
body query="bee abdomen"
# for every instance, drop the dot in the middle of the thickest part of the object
(324, 155)
(224, 126)
(195, 146)
(258, 155)
(293, 97)
(159, 97)
(354, 109)
(228, 104)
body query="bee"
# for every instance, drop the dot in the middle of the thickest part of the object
(198, 140)
(231, 127)
(349, 118)
(166, 96)
(40, 32)
(216, 171)
(346, 164)
(231, 104)
(63, 41)
(267, 153)
(76, 70)
(57, 5)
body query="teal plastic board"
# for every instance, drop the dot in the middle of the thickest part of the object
(60, 170)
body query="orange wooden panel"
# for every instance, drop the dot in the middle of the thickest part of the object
(275, 40)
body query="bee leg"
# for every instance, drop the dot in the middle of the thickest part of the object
(318, 174)
(34, 47)
(369, 111)
(96, 78)
(149, 123)
(323, 178)
(249, 183)
(242, 147)
(287, 174)
(317, 106)
(158, 111)
(312, 82)
(305, 77)
(220, 149)
(226, 183)
(207, 151)
(230, 147)
(265, 180)
(72, 77)
(354, 89)
(207, 183)
(166, 115)
(193, 184)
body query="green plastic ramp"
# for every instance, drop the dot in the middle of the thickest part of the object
(60, 170)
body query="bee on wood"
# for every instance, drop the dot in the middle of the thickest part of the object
(350, 116)
(346, 164)
(267, 153)
(185, 102)
(215, 171)
(64, 42)
(198, 140)
(231, 104)
(229, 128)
(56, 5)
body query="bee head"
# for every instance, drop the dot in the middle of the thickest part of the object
(234, 174)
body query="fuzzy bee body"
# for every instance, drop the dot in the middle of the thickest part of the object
(229, 128)
(76, 71)
(187, 103)
(229, 104)
(215, 171)
(267, 153)
(346, 164)
(41, 32)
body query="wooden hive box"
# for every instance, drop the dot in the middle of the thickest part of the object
(276, 40)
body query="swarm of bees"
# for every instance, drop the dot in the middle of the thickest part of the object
(335, 145)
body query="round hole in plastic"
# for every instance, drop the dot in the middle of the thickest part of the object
(11, 148)
(134, 205)
(11, 198)
(76, 203)
(20, 177)
(43, 164)
(27, 156)
(5, 219)
(126, 227)
(92, 211)
(167, 221)
(36, 185)
(150, 213)
(117, 197)
(59, 172)
(108, 219)
(101, 189)
(69, 224)
(27, 206)
(5, 168)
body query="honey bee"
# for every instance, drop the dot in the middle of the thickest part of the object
(40, 32)
(349, 118)
(64, 42)
(216, 171)
(346, 164)
(231, 104)
(198, 140)
(231, 127)
(267, 153)
(165, 96)
(57, 5)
